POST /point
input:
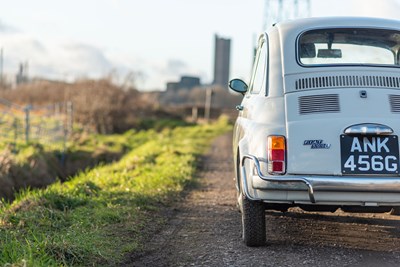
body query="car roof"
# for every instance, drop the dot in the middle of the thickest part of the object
(285, 34)
(300, 25)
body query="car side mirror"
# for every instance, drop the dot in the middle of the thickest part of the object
(238, 85)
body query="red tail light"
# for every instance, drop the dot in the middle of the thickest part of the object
(276, 154)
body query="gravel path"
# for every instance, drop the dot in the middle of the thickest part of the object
(205, 230)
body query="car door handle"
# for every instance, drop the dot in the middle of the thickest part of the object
(239, 107)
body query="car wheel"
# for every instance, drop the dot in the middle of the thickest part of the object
(253, 222)
(395, 211)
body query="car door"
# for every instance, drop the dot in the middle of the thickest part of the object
(257, 88)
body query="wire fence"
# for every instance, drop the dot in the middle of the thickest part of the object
(49, 125)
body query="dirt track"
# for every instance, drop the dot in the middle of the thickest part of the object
(205, 230)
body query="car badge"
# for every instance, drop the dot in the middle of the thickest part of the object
(316, 144)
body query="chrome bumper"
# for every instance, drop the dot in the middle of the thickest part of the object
(337, 184)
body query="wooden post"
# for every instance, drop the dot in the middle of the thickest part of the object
(207, 108)
(27, 110)
(70, 117)
(195, 113)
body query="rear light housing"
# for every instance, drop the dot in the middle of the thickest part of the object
(276, 154)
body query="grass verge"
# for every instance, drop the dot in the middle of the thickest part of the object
(100, 215)
(41, 162)
(37, 165)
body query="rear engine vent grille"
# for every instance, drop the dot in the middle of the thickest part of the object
(319, 104)
(394, 103)
(347, 81)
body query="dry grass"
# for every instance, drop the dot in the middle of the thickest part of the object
(99, 105)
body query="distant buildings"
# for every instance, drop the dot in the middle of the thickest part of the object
(222, 55)
(221, 68)
(186, 82)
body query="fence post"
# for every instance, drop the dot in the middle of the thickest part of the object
(70, 118)
(67, 130)
(27, 110)
(194, 114)
(57, 108)
(207, 108)
(15, 126)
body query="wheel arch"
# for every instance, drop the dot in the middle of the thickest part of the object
(241, 150)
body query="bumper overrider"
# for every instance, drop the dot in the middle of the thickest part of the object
(315, 183)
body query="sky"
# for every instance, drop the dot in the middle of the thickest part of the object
(155, 40)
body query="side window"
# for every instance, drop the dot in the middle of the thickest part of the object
(260, 70)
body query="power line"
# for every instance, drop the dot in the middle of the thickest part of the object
(280, 10)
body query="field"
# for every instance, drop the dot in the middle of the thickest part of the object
(100, 215)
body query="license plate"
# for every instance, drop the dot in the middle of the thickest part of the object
(369, 154)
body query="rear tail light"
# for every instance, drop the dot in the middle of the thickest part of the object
(276, 154)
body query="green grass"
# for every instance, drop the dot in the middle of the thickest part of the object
(101, 215)
(37, 165)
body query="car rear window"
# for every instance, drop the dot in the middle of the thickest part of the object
(354, 46)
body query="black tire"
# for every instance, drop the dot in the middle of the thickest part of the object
(395, 211)
(253, 223)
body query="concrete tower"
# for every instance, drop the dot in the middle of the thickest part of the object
(221, 61)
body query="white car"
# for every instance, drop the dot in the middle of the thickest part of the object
(319, 123)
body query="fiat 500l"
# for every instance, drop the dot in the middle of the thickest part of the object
(319, 123)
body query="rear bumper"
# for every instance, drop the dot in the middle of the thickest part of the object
(316, 185)
(329, 198)
(334, 183)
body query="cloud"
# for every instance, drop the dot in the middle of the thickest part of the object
(52, 60)
(176, 66)
(82, 59)
(70, 60)
(7, 28)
